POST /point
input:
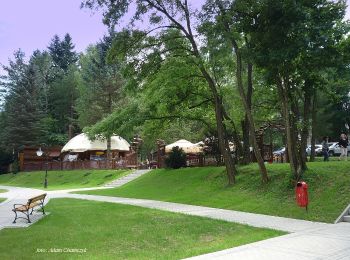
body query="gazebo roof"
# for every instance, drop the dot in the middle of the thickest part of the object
(186, 146)
(81, 143)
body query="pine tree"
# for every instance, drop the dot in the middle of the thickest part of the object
(22, 114)
(62, 52)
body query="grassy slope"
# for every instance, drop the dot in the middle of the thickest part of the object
(125, 232)
(329, 189)
(62, 179)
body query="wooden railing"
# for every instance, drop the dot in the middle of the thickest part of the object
(123, 163)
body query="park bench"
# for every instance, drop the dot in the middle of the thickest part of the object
(29, 207)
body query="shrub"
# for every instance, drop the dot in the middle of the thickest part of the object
(176, 158)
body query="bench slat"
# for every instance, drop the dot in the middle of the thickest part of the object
(36, 198)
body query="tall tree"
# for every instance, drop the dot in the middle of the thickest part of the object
(291, 40)
(222, 19)
(21, 108)
(64, 86)
(62, 52)
(179, 16)
(100, 87)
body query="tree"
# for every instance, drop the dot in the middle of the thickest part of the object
(63, 89)
(176, 15)
(171, 103)
(62, 52)
(225, 22)
(176, 158)
(290, 41)
(100, 86)
(22, 112)
(62, 99)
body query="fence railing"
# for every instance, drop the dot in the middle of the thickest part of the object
(79, 165)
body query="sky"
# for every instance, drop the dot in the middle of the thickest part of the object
(31, 24)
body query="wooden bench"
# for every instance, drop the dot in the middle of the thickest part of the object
(31, 204)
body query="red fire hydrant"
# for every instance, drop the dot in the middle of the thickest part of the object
(301, 194)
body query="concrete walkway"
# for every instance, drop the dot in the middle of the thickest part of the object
(255, 220)
(309, 240)
(127, 178)
(20, 196)
(331, 242)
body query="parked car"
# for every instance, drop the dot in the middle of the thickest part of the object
(318, 150)
(334, 149)
(280, 151)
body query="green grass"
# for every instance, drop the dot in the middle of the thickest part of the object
(62, 179)
(113, 231)
(329, 189)
(2, 199)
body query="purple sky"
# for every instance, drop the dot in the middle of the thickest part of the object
(30, 25)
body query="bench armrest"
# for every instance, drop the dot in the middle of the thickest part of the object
(14, 205)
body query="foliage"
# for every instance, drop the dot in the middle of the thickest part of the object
(22, 112)
(100, 85)
(176, 158)
(62, 52)
(39, 97)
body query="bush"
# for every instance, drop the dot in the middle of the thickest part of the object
(176, 158)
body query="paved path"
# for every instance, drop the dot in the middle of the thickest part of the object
(127, 178)
(308, 240)
(331, 242)
(16, 195)
(256, 220)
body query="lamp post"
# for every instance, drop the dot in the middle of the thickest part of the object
(41, 153)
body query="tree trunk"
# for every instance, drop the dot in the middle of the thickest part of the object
(236, 137)
(109, 111)
(283, 94)
(305, 127)
(313, 127)
(223, 143)
(70, 131)
(246, 144)
(234, 45)
(295, 119)
(109, 153)
(257, 151)
(245, 123)
(222, 138)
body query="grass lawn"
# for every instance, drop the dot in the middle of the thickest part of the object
(329, 189)
(62, 179)
(125, 232)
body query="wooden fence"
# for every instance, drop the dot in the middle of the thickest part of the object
(123, 163)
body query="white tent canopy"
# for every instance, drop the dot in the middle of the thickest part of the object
(81, 143)
(186, 146)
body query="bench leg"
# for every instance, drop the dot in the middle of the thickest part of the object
(42, 207)
(14, 221)
(28, 217)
